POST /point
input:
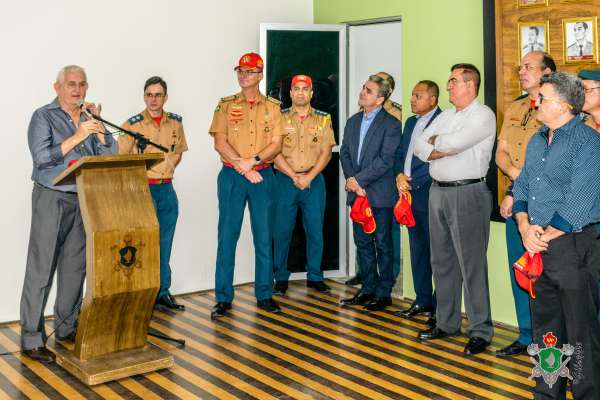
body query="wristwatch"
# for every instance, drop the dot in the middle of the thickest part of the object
(257, 160)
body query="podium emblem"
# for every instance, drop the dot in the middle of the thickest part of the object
(127, 255)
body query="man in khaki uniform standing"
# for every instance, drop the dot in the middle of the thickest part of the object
(306, 151)
(519, 125)
(165, 129)
(246, 128)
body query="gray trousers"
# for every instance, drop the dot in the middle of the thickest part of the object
(56, 242)
(459, 226)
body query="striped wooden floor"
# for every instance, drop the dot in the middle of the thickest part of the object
(314, 349)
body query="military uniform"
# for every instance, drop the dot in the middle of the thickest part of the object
(169, 133)
(393, 108)
(249, 128)
(302, 144)
(519, 125)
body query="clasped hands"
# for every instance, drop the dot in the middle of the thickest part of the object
(353, 186)
(245, 167)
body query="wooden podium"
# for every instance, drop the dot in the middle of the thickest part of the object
(123, 270)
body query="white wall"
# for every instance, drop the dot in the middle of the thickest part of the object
(193, 45)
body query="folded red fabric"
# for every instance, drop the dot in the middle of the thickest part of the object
(362, 214)
(403, 212)
(528, 268)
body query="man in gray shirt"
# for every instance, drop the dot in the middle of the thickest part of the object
(59, 133)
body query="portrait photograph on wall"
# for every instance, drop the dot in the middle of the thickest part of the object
(533, 36)
(580, 40)
(531, 3)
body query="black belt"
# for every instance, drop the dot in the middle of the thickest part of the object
(461, 182)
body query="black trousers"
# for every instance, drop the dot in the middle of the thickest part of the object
(566, 304)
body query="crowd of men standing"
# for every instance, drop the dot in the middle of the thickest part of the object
(548, 149)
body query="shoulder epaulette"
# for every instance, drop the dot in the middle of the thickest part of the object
(273, 100)
(135, 119)
(174, 116)
(321, 113)
(286, 110)
(228, 98)
(398, 106)
(521, 97)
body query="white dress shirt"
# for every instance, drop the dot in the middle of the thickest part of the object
(468, 135)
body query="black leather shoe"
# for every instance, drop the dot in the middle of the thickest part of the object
(476, 345)
(319, 286)
(378, 304)
(355, 280)
(431, 322)
(41, 354)
(269, 305)
(513, 349)
(70, 338)
(415, 309)
(280, 287)
(434, 333)
(359, 299)
(168, 301)
(220, 310)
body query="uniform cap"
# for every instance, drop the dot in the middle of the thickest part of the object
(590, 74)
(250, 60)
(302, 78)
(403, 212)
(362, 214)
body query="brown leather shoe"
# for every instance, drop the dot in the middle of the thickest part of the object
(70, 338)
(41, 354)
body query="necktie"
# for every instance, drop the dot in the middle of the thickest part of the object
(531, 47)
(580, 50)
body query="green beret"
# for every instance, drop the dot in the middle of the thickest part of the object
(590, 74)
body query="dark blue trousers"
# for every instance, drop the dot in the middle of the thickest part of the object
(420, 259)
(167, 210)
(312, 203)
(233, 192)
(376, 254)
(515, 248)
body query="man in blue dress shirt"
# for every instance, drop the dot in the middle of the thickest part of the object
(557, 204)
(58, 134)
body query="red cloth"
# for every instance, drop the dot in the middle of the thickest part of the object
(532, 103)
(528, 269)
(362, 214)
(403, 211)
(157, 119)
(71, 163)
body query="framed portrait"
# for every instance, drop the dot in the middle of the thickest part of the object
(580, 44)
(533, 36)
(531, 3)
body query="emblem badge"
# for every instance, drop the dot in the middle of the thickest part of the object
(127, 255)
(552, 362)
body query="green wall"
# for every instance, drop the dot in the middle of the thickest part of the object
(435, 35)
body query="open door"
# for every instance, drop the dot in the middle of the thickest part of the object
(318, 51)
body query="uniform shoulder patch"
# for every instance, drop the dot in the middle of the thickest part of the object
(321, 113)
(398, 106)
(135, 119)
(286, 110)
(174, 116)
(273, 100)
(521, 97)
(228, 98)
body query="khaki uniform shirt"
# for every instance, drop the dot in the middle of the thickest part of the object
(249, 127)
(393, 108)
(168, 134)
(304, 139)
(517, 128)
(589, 121)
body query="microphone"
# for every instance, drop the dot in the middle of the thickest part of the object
(81, 105)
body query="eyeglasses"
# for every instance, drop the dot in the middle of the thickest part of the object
(241, 72)
(589, 90)
(541, 99)
(526, 67)
(154, 95)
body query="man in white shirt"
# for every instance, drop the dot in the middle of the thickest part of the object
(458, 146)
